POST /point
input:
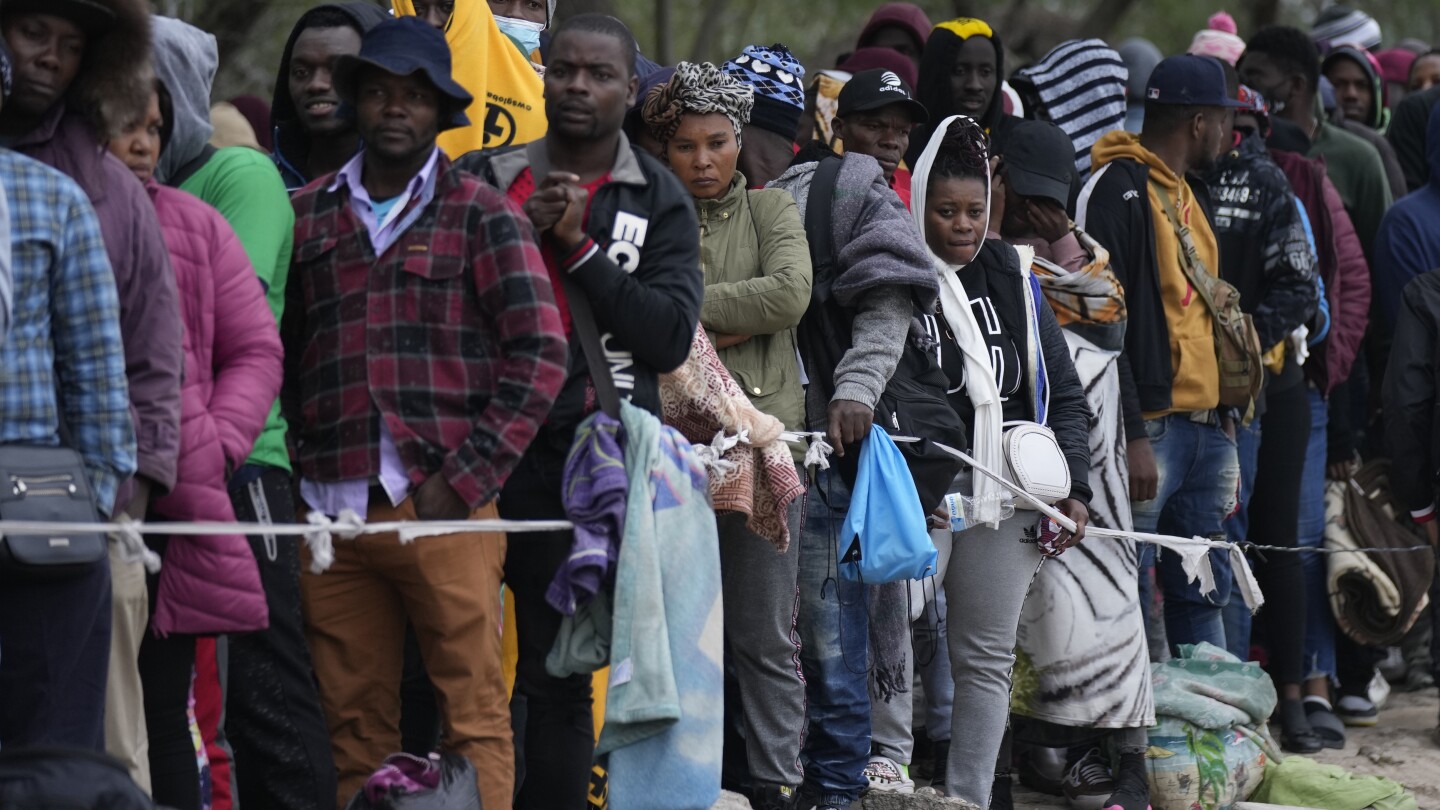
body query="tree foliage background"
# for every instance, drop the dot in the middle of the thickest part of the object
(252, 32)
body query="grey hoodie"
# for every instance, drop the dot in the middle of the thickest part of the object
(185, 61)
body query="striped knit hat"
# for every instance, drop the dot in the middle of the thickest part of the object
(1082, 86)
(1342, 25)
(779, 82)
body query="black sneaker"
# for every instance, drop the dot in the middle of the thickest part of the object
(1357, 711)
(1000, 798)
(774, 797)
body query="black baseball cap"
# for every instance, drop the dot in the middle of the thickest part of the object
(1196, 81)
(872, 89)
(1039, 160)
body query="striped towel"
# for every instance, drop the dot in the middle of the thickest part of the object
(1082, 85)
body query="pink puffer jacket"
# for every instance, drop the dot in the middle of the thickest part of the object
(233, 362)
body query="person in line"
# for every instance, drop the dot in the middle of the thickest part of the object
(618, 228)
(1080, 87)
(1264, 253)
(1362, 106)
(1411, 393)
(1281, 63)
(1424, 72)
(899, 27)
(1408, 243)
(312, 138)
(233, 367)
(757, 274)
(65, 329)
(778, 80)
(1338, 24)
(991, 563)
(80, 71)
(269, 673)
(1181, 451)
(875, 115)
(1407, 135)
(882, 281)
(1082, 614)
(1140, 57)
(960, 74)
(437, 450)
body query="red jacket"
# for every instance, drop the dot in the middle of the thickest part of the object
(1342, 267)
(233, 364)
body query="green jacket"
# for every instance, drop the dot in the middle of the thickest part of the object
(757, 282)
(244, 186)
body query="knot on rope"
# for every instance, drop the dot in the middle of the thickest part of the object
(817, 454)
(320, 540)
(131, 539)
(712, 455)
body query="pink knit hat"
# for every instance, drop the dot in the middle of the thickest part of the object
(1218, 39)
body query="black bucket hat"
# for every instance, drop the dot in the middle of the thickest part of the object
(404, 46)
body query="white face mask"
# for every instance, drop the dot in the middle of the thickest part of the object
(525, 33)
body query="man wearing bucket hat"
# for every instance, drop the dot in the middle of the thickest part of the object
(413, 401)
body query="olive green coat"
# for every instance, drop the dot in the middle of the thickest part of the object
(757, 282)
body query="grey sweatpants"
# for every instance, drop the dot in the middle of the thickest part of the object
(989, 574)
(761, 601)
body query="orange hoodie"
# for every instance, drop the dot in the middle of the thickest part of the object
(1196, 385)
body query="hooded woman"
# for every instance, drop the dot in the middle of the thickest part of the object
(757, 287)
(1007, 360)
(961, 73)
(209, 585)
(901, 27)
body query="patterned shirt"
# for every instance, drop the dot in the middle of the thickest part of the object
(65, 331)
(450, 336)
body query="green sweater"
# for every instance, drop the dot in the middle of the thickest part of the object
(1359, 175)
(757, 282)
(244, 186)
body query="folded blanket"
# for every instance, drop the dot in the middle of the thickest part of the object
(757, 477)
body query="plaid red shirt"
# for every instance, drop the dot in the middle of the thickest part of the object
(451, 336)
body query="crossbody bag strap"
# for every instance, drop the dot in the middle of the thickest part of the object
(819, 218)
(584, 320)
(1190, 262)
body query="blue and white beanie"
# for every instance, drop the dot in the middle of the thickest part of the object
(779, 82)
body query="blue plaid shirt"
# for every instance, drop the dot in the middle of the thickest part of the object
(65, 323)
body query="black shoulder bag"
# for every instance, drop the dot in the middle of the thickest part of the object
(47, 485)
(914, 401)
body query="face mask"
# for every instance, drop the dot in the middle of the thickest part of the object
(523, 33)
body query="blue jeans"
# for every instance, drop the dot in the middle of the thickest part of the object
(1237, 615)
(834, 652)
(1198, 476)
(1319, 621)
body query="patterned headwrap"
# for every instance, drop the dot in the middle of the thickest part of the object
(779, 82)
(1342, 25)
(697, 88)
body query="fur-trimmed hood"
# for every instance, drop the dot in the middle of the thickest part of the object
(115, 79)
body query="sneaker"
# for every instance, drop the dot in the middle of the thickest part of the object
(1089, 783)
(884, 773)
(1417, 679)
(1357, 711)
(774, 797)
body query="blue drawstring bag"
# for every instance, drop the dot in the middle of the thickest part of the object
(884, 537)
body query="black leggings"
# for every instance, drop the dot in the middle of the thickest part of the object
(166, 668)
(1274, 521)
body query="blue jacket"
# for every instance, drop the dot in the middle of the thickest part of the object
(1408, 242)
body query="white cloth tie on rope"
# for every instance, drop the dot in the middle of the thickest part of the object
(712, 455)
(1194, 552)
(133, 550)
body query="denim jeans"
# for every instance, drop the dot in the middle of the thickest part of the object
(834, 652)
(1237, 615)
(1199, 472)
(1319, 621)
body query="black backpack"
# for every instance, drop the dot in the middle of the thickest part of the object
(914, 402)
(67, 779)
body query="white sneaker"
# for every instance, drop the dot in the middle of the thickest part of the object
(884, 773)
(1089, 783)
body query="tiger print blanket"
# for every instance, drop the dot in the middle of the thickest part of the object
(1081, 658)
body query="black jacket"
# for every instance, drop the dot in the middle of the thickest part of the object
(1114, 208)
(1069, 412)
(643, 280)
(292, 145)
(1407, 135)
(1263, 248)
(1411, 394)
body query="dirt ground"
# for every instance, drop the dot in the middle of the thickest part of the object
(1400, 748)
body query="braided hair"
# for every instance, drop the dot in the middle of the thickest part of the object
(964, 153)
(699, 88)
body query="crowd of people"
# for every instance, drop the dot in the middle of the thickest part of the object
(405, 291)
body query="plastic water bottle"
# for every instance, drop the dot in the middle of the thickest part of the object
(955, 506)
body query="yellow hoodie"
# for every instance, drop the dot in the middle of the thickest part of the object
(1196, 383)
(509, 107)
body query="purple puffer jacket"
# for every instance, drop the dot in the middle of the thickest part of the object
(233, 364)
